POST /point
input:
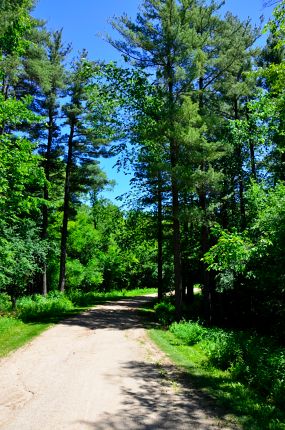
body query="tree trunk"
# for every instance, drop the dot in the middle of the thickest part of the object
(205, 275)
(159, 243)
(252, 160)
(46, 197)
(176, 240)
(207, 289)
(66, 210)
(174, 156)
(240, 173)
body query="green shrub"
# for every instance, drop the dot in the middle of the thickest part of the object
(36, 307)
(165, 312)
(79, 298)
(277, 364)
(5, 302)
(189, 332)
(222, 347)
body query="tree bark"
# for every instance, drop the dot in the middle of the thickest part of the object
(176, 248)
(174, 155)
(240, 173)
(159, 242)
(66, 209)
(46, 196)
(207, 288)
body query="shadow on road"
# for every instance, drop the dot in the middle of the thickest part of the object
(155, 406)
(119, 315)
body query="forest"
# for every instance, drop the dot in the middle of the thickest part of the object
(197, 113)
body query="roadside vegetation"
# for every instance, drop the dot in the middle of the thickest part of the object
(34, 314)
(243, 370)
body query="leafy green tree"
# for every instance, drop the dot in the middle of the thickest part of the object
(22, 179)
(89, 117)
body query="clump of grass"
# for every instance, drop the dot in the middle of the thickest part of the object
(190, 332)
(34, 308)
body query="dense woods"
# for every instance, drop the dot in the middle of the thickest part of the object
(197, 113)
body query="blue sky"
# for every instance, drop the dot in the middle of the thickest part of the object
(84, 21)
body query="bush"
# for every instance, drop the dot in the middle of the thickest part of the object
(5, 302)
(36, 307)
(165, 312)
(222, 347)
(79, 298)
(189, 332)
(262, 366)
(277, 364)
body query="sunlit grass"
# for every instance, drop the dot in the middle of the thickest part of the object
(15, 333)
(250, 410)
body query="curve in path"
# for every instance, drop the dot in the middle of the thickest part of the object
(98, 371)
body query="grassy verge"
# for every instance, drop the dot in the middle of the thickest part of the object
(35, 314)
(14, 333)
(251, 409)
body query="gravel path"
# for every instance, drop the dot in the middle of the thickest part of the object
(98, 371)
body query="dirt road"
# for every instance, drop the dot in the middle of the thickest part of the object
(97, 371)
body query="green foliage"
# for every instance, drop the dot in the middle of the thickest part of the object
(232, 251)
(15, 24)
(5, 302)
(222, 347)
(165, 312)
(34, 308)
(107, 250)
(258, 362)
(21, 258)
(190, 332)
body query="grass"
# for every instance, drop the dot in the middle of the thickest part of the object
(251, 410)
(14, 333)
(36, 314)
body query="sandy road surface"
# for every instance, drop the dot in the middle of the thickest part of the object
(97, 371)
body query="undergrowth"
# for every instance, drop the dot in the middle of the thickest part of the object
(244, 370)
(35, 307)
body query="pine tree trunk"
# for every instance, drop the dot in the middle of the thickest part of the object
(45, 286)
(207, 288)
(176, 233)
(46, 197)
(187, 278)
(252, 160)
(177, 249)
(240, 173)
(66, 210)
(174, 156)
(159, 244)
(251, 150)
